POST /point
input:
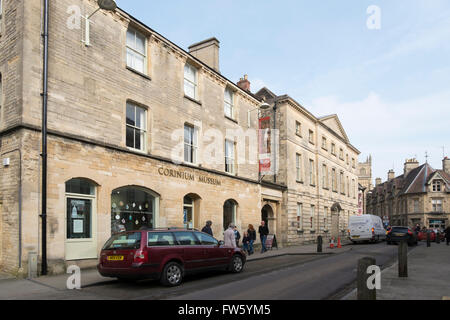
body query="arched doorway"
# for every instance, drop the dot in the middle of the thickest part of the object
(81, 219)
(133, 208)
(267, 216)
(191, 211)
(335, 212)
(229, 213)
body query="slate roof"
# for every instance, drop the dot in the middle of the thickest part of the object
(415, 182)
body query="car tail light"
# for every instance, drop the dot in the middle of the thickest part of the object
(409, 232)
(373, 230)
(140, 256)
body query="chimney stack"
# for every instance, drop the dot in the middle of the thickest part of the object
(391, 175)
(410, 165)
(207, 51)
(377, 181)
(244, 84)
(446, 165)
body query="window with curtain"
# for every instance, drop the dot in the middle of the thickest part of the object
(136, 51)
(230, 157)
(190, 81)
(136, 127)
(190, 144)
(228, 103)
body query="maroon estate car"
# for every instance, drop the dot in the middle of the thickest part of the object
(166, 254)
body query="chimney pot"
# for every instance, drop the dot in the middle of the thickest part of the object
(244, 84)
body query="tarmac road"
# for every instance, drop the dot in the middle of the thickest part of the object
(326, 278)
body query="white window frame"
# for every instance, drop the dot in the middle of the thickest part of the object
(298, 167)
(143, 129)
(189, 67)
(324, 176)
(312, 172)
(313, 218)
(134, 51)
(230, 158)
(193, 145)
(229, 105)
(437, 204)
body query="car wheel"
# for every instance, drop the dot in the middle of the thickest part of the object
(172, 275)
(236, 264)
(388, 243)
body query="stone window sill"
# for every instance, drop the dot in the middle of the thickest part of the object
(193, 100)
(231, 119)
(139, 73)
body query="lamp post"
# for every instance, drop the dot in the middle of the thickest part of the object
(108, 5)
(263, 106)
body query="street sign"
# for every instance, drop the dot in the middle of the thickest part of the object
(271, 242)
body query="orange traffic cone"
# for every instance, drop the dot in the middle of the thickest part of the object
(339, 243)
(332, 243)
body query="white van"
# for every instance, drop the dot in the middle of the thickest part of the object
(366, 228)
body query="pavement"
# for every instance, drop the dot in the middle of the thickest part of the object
(428, 276)
(11, 288)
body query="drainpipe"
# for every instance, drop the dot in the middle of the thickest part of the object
(44, 140)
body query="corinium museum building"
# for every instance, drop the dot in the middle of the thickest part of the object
(141, 133)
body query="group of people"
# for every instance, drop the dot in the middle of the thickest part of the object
(418, 229)
(232, 236)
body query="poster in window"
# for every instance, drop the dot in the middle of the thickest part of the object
(78, 226)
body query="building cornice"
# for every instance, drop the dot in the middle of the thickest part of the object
(93, 142)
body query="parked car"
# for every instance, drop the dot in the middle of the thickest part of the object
(398, 234)
(422, 235)
(167, 255)
(366, 228)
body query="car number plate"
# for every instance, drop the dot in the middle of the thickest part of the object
(355, 237)
(115, 258)
(399, 234)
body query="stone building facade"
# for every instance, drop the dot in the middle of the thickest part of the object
(142, 133)
(318, 165)
(365, 181)
(421, 195)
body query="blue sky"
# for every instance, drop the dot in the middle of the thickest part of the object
(389, 87)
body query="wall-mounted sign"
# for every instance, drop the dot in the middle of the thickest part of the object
(264, 146)
(183, 175)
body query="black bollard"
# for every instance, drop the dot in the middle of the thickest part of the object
(403, 259)
(319, 244)
(428, 240)
(363, 292)
(438, 238)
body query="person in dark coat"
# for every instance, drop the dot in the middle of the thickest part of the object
(246, 243)
(252, 235)
(263, 232)
(237, 235)
(207, 229)
(447, 235)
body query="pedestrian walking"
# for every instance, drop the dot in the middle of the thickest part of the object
(237, 236)
(229, 237)
(246, 242)
(417, 229)
(263, 232)
(447, 235)
(207, 228)
(252, 235)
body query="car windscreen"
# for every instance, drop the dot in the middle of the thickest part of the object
(131, 240)
(400, 229)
